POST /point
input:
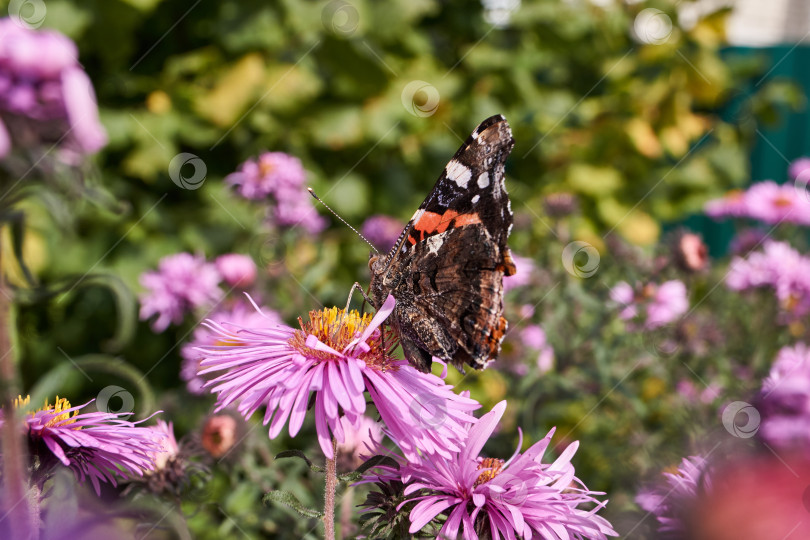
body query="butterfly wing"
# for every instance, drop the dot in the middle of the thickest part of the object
(446, 272)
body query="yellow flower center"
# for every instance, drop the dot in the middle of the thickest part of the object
(265, 168)
(337, 328)
(493, 466)
(782, 202)
(61, 404)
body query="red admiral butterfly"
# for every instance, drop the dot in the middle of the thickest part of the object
(446, 269)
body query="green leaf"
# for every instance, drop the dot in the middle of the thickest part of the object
(299, 454)
(288, 499)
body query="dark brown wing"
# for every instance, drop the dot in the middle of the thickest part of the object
(447, 270)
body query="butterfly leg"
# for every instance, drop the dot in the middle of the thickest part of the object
(351, 293)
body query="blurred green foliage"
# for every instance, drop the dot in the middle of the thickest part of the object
(633, 129)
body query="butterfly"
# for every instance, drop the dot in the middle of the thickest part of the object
(447, 267)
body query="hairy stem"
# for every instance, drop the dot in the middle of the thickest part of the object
(14, 481)
(329, 498)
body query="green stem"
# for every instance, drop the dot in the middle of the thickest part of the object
(329, 498)
(14, 468)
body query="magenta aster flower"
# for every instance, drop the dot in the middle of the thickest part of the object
(283, 177)
(237, 270)
(773, 203)
(45, 95)
(240, 315)
(382, 231)
(337, 356)
(182, 283)
(96, 445)
(521, 497)
(655, 305)
(784, 401)
(672, 500)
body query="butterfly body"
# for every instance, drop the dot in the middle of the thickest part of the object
(446, 270)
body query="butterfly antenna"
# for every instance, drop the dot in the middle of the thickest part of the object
(311, 192)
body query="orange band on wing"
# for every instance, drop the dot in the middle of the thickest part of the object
(432, 223)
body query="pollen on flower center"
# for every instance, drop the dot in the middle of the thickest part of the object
(337, 328)
(782, 202)
(493, 466)
(61, 404)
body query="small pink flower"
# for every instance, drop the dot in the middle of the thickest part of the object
(673, 498)
(82, 111)
(182, 283)
(282, 177)
(237, 270)
(362, 441)
(691, 252)
(338, 356)
(382, 231)
(800, 168)
(773, 203)
(655, 305)
(785, 400)
(732, 204)
(669, 302)
(523, 275)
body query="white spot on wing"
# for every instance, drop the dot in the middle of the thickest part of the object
(434, 243)
(483, 180)
(458, 173)
(417, 215)
(475, 199)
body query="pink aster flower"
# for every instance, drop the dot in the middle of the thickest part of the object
(655, 305)
(732, 204)
(237, 270)
(672, 499)
(361, 442)
(523, 275)
(382, 231)
(46, 97)
(521, 497)
(282, 177)
(534, 337)
(182, 283)
(669, 301)
(799, 167)
(780, 268)
(338, 356)
(784, 401)
(240, 315)
(774, 203)
(96, 445)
